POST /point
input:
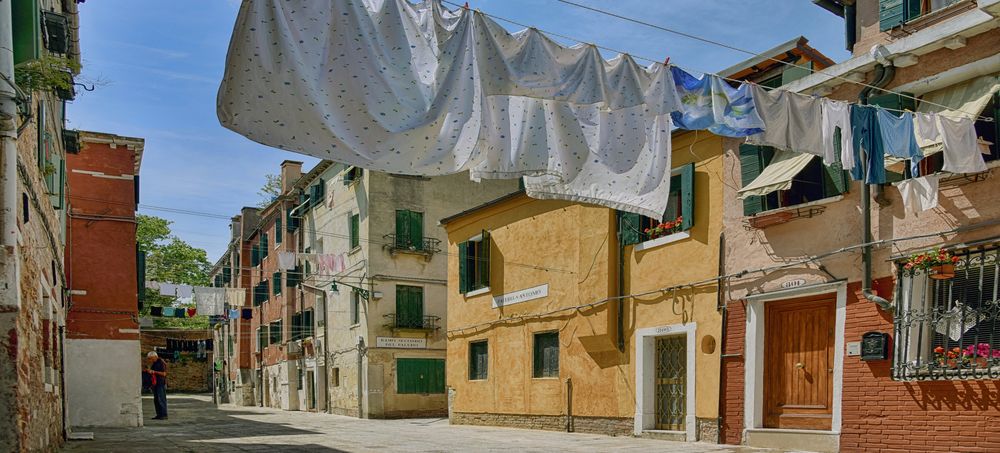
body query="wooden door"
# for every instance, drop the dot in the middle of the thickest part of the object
(798, 363)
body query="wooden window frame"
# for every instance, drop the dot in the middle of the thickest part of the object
(475, 374)
(539, 369)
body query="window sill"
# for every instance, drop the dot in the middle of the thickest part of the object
(663, 240)
(354, 250)
(551, 378)
(354, 326)
(477, 292)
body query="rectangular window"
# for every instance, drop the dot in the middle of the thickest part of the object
(409, 307)
(679, 215)
(316, 193)
(277, 230)
(478, 360)
(27, 30)
(814, 181)
(307, 323)
(335, 377)
(421, 376)
(893, 13)
(276, 283)
(409, 229)
(296, 326)
(948, 328)
(355, 307)
(261, 338)
(546, 355)
(263, 246)
(276, 333)
(354, 226)
(474, 263)
(352, 175)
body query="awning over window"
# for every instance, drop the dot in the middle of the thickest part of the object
(778, 174)
(969, 97)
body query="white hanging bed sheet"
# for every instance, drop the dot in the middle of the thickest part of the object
(418, 89)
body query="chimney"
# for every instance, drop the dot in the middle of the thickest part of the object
(290, 172)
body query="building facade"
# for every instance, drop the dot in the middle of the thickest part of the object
(33, 143)
(570, 317)
(830, 344)
(363, 337)
(104, 270)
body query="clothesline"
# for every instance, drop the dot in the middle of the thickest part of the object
(976, 116)
(463, 94)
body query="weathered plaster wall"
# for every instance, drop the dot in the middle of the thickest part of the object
(102, 384)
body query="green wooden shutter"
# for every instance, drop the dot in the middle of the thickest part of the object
(355, 227)
(27, 30)
(408, 375)
(416, 230)
(436, 373)
(264, 246)
(277, 230)
(61, 190)
(687, 196)
(402, 228)
(836, 182)
(42, 152)
(891, 13)
(409, 306)
(463, 267)
(894, 101)
(751, 165)
(628, 228)
(276, 283)
(484, 260)
(793, 73)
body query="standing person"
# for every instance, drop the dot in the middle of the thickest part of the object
(158, 371)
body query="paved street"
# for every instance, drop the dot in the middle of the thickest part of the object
(195, 425)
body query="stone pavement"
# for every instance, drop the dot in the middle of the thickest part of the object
(197, 425)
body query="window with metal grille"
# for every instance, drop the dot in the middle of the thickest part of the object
(949, 328)
(478, 360)
(546, 355)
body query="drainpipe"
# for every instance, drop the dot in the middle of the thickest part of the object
(8, 142)
(569, 405)
(884, 72)
(722, 307)
(361, 400)
(621, 290)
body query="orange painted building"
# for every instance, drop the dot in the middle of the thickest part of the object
(102, 262)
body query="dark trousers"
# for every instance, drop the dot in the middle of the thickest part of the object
(160, 400)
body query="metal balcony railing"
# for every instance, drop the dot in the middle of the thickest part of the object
(393, 321)
(949, 328)
(427, 246)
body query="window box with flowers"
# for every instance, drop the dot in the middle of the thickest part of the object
(676, 222)
(937, 264)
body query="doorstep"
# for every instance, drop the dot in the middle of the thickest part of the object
(677, 436)
(793, 439)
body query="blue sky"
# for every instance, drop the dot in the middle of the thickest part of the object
(162, 62)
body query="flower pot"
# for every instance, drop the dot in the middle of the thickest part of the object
(943, 272)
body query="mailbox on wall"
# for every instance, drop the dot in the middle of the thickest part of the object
(874, 346)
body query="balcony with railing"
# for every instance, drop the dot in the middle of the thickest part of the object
(395, 321)
(404, 244)
(947, 322)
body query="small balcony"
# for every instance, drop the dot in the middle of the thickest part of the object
(395, 322)
(401, 244)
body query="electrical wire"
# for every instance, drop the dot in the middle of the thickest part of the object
(705, 40)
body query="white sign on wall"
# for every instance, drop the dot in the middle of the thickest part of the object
(523, 295)
(401, 343)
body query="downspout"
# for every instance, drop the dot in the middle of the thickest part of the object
(721, 306)
(621, 293)
(884, 73)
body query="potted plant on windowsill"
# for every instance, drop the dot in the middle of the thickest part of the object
(665, 228)
(938, 264)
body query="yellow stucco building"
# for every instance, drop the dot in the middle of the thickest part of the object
(538, 335)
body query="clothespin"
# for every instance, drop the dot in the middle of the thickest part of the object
(466, 7)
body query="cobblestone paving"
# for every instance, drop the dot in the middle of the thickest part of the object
(197, 425)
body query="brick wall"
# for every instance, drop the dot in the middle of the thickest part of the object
(880, 414)
(187, 374)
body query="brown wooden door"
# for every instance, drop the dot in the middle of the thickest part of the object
(798, 363)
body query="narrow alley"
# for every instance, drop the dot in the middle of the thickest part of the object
(196, 425)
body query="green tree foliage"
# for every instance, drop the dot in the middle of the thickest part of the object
(170, 259)
(270, 191)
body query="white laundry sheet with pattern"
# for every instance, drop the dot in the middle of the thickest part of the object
(417, 89)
